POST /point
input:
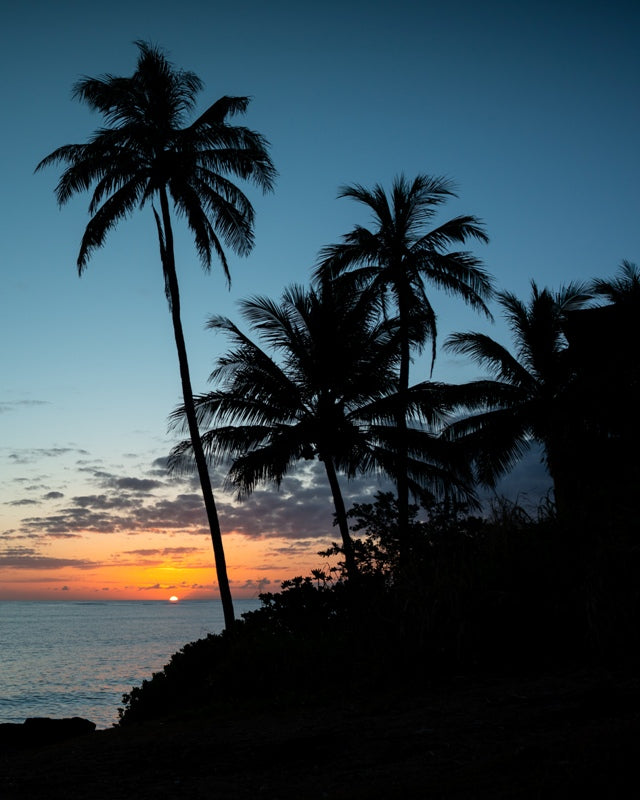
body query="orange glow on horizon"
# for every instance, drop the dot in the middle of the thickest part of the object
(152, 566)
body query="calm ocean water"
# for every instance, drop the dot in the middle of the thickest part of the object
(66, 659)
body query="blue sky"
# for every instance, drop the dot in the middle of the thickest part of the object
(531, 108)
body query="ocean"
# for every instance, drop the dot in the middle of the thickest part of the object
(67, 659)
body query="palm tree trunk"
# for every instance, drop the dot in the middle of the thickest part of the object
(402, 464)
(341, 516)
(560, 470)
(190, 413)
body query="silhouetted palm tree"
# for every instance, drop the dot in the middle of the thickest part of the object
(397, 257)
(327, 392)
(148, 152)
(527, 401)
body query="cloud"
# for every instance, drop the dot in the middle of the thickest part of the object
(122, 514)
(159, 466)
(24, 502)
(164, 586)
(29, 456)
(136, 484)
(122, 482)
(164, 551)
(301, 511)
(24, 558)
(297, 548)
(150, 557)
(258, 586)
(103, 502)
(7, 405)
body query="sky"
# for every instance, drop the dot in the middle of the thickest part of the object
(530, 108)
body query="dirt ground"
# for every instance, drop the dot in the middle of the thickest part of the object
(573, 732)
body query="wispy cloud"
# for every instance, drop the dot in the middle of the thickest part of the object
(164, 551)
(27, 558)
(258, 586)
(34, 454)
(7, 406)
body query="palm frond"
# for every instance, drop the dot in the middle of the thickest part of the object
(624, 288)
(491, 355)
(459, 274)
(453, 231)
(218, 112)
(118, 206)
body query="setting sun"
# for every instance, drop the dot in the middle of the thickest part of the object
(173, 599)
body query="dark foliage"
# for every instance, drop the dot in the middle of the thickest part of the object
(507, 592)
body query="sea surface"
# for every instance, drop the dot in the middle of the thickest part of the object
(67, 659)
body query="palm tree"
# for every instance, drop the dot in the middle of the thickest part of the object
(327, 392)
(396, 257)
(148, 152)
(527, 400)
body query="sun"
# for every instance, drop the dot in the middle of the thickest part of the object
(173, 599)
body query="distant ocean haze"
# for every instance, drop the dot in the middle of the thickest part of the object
(64, 659)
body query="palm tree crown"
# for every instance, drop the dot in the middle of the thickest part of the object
(525, 399)
(147, 147)
(324, 390)
(397, 255)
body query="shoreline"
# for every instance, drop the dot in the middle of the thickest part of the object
(548, 734)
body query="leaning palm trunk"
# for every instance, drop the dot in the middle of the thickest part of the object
(341, 517)
(165, 234)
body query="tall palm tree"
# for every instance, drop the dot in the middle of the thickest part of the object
(327, 392)
(398, 256)
(147, 152)
(527, 399)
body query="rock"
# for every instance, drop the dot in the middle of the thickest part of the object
(37, 731)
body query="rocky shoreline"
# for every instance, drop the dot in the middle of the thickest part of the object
(38, 731)
(538, 736)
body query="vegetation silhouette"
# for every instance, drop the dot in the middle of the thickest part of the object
(527, 400)
(149, 151)
(415, 592)
(461, 593)
(327, 389)
(623, 290)
(506, 592)
(396, 257)
(602, 342)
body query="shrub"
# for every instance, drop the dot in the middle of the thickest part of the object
(508, 591)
